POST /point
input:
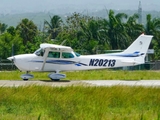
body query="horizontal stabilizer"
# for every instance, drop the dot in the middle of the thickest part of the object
(128, 61)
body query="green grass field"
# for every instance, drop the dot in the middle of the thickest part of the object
(79, 102)
(89, 75)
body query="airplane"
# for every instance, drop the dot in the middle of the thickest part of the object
(56, 58)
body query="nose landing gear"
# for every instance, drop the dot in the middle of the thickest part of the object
(27, 76)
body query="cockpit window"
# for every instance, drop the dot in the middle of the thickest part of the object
(77, 54)
(39, 52)
(52, 54)
(67, 55)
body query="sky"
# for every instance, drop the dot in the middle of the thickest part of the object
(10, 6)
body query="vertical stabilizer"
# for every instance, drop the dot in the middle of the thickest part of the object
(140, 46)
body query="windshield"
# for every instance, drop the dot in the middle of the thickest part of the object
(77, 54)
(39, 52)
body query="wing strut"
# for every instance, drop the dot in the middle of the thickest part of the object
(45, 58)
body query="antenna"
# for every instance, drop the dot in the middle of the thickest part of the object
(140, 13)
(63, 42)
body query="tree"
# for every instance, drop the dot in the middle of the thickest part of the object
(153, 28)
(72, 31)
(117, 34)
(91, 32)
(3, 28)
(27, 30)
(54, 26)
(9, 43)
(133, 28)
(11, 30)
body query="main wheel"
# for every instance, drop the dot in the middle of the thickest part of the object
(55, 79)
(25, 79)
(56, 76)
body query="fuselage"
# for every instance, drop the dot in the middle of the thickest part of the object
(32, 62)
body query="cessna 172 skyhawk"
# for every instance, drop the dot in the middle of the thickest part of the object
(56, 58)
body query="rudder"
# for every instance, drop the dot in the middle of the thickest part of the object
(140, 46)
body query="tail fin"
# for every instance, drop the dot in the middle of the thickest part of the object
(139, 47)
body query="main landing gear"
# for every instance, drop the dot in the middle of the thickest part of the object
(53, 76)
(56, 76)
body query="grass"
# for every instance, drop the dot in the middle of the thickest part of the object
(113, 75)
(89, 75)
(79, 103)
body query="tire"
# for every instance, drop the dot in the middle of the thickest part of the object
(55, 79)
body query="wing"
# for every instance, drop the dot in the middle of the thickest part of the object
(55, 47)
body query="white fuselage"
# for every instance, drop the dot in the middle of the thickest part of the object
(32, 62)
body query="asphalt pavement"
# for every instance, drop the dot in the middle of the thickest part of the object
(16, 83)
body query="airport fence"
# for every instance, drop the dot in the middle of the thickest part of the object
(6, 65)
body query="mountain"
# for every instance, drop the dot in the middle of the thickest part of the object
(13, 11)
(22, 6)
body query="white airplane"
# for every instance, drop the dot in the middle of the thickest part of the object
(57, 58)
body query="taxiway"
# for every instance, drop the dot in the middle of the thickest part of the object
(16, 83)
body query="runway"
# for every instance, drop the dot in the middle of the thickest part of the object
(17, 83)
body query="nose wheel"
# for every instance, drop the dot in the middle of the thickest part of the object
(26, 76)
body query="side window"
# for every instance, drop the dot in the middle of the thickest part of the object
(67, 55)
(52, 54)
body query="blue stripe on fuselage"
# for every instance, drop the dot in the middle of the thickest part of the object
(62, 62)
(135, 54)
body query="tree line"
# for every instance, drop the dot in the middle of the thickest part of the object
(85, 34)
